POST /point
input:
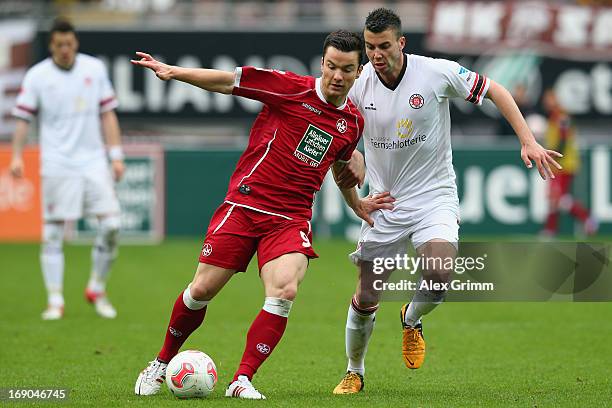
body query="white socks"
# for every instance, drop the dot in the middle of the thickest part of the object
(103, 253)
(423, 302)
(53, 274)
(52, 262)
(359, 329)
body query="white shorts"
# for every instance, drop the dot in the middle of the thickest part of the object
(89, 192)
(393, 230)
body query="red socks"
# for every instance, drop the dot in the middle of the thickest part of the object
(266, 331)
(183, 321)
(578, 211)
(552, 222)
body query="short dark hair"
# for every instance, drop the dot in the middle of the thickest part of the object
(344, 41)
(382, 19)
(61, 25)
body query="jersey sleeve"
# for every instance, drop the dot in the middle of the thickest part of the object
(27, 100)
(267, 85)
(346, 154)
(108, 100)
(457, 81)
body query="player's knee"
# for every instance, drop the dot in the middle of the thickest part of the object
(53, 237)
(201, 291)
(366, 300)
(109, 230)
(439, 275)
(203, 288)
(566, 202)
(191, 301)
(287, 292)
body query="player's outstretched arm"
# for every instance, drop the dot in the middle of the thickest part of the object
(530, 148)
(19, 139)
(212, 80)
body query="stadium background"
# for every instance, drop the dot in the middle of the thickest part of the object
(183, 143)
(194, 138)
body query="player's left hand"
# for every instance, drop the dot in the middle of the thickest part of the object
(366, 205)
(542, 157)
(118, 167)
(163, 71)
(353, 173)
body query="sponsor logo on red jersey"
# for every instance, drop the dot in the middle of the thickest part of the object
(314, 145)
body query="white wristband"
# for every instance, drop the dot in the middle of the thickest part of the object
(115, 153)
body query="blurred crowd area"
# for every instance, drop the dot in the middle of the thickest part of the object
(229, 14)
(167, 26)
(218, 14)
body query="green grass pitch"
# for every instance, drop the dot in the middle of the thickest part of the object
(479, 354)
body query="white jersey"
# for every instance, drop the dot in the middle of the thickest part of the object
(407, 129)
(68, 104)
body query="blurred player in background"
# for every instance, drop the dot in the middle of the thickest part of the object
(561, 136)
(405, 103)
(305, 126)
(73, 98)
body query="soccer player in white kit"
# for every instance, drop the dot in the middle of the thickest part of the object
(405, 102)
(73, 98)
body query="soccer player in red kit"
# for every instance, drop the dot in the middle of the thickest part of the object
(306, 126)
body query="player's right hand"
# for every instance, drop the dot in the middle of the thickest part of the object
(16, 168)
(163, 71)
(118, 169)
(380, 201)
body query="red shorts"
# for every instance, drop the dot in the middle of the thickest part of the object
(235, 233)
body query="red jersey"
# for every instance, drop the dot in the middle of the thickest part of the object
(294, 141)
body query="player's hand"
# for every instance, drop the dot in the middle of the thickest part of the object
(163, 71)
(366, 205)
(542, 157)
(16, 167)
(353, 173)
(118, 168)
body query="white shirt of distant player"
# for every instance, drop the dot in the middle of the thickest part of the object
(407, 129)
(68, 104)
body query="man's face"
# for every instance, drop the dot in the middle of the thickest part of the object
(339, 71)
(384, 50)
(63, 48)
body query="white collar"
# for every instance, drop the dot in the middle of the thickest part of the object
(322, 97)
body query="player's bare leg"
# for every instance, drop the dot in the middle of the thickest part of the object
(360, 322)
(103, 254)
(52, 265)
(281, 278)
(424, 300)
(187, 315)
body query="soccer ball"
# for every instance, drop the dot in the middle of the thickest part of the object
(191, 374)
